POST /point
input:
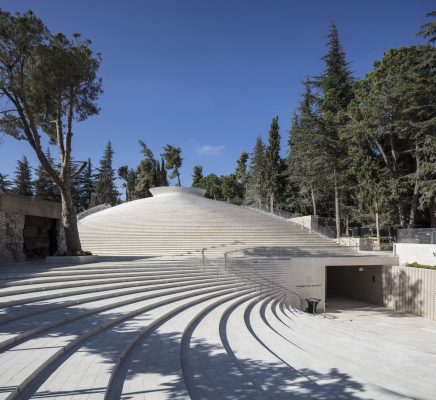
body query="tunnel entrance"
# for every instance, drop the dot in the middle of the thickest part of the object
(40, 237)
(362, 283)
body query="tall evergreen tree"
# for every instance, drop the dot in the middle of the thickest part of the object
(87, 186)
(105, 189)
(197, 176)
(336, 85)
(23, 178)
(273, 163)
(241, 172)
(173, 161)
(305, 157)
(256, 188)
(45, 187)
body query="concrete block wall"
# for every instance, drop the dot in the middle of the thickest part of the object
(411, 290)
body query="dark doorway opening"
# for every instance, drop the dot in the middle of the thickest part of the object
(353, 282)
(40, 237)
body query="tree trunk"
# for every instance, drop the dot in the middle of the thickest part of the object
(69, 222)
(377, 228)
(312, 195)
(178, 178)
(415, 197)
(433, 213)
(347, 226)
(337, 212)
(271, 202)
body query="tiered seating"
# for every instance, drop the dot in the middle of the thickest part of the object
(167, 326)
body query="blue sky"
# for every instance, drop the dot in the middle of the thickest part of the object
(209, 75)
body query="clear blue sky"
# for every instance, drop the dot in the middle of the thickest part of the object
(208, 76)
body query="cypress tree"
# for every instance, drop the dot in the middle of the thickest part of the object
(336, 93)
(23, 178)
(273, 163)
(256, 176)
(105, 189)
(241, 172)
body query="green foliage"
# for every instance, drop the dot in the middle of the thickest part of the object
(256, 182)
(428, 30)
(86, 182)
(173, 161)
(47, 83)
(197, 176)
(45, 188)
(105, 188)
(425, 266)
(5, 184)
(273, 163)
(23, 178)
(213, 186)
(394, 119)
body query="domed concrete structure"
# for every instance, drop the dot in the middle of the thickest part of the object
(178, 220)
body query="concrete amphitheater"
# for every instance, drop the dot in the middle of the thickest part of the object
(164, 315)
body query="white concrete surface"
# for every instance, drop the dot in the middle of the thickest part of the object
(415, 252)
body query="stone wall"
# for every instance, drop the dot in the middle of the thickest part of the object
(11, 237)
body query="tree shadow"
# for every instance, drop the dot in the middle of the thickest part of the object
(402, 293)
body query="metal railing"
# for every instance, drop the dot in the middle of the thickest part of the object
(92, 210)
(417, 235)
(324, 230)
(267, 278)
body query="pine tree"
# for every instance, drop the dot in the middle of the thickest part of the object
(45, 188)
(336, 85)
(197, 176)
(256, 192)
(105, 189)
(23, 178)
(273, 163)
(173, 161)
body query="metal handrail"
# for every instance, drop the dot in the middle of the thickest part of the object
(280, 214)
(262, 279)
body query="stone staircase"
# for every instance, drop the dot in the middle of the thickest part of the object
(180, 331)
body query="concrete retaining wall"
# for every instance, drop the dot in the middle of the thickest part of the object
(305, 220)
(411, 290)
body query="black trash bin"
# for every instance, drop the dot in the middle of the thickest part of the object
(311, 305)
